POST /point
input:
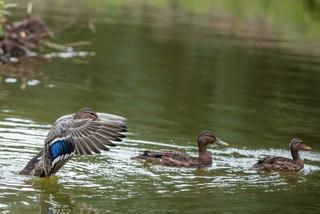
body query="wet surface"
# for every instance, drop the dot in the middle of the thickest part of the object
(171, 80)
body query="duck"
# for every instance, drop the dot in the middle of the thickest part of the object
(276, 163)
(181, 159)
(85, 132)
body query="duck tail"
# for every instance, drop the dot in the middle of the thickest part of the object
(34, 166)
(142, 156)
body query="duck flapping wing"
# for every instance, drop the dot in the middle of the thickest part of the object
(87, 136)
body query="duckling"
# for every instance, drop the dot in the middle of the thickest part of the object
(82, 133)
(273, 163)
(181, 159)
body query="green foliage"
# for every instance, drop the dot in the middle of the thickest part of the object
(1, 13)
(287, 19)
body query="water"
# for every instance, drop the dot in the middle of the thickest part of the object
(172, 72)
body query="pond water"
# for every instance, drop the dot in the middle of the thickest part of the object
(172, 72)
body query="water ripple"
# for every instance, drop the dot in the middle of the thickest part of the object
(114, 174)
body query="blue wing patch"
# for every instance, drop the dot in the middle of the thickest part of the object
(60, 150)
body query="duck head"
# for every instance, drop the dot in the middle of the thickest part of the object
(85, 113)
(206, 137)
(297, 144)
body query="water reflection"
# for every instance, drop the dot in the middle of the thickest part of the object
(53, 197)
(85, 182)
(173, 71)
(26, 74)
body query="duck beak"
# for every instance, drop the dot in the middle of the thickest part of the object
(305, 147)
(220, 142)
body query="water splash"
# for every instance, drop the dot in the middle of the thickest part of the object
(113, 174)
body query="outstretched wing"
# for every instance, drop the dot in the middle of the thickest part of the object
(81, 136)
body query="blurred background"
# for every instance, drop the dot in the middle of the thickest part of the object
(247, 70)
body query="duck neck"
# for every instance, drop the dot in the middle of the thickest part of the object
(295, 155)
(204, 155)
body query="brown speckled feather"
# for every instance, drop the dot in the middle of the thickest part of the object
(273, 163)
(181, 159)
(170, 158)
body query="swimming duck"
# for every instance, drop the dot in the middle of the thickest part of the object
(181, 159)
(274, 163)
(84, 132)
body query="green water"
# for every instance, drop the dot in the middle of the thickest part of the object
(173, 70)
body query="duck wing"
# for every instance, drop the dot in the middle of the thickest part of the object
(168, 158)
(275, 163)
(273, 159)
(86, 136)
(168, 153)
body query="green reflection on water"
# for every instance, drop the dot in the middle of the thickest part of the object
(173, 74)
